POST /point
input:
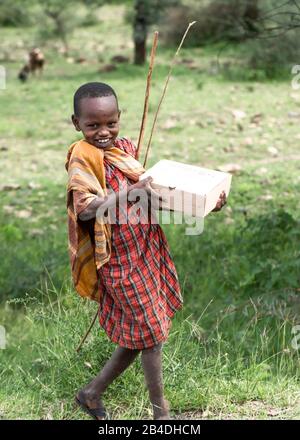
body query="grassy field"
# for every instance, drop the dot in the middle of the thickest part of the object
(230, 352)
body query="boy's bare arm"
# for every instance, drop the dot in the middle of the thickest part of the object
(87, 214)
(103, 202)
(111, 200)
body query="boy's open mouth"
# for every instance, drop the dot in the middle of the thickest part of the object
(103, 142)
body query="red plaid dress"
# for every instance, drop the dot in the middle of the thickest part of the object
(141, 291)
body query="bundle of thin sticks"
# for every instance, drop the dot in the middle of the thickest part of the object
(144, 120)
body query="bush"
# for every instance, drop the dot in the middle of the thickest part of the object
(264, 58)
(217, 20)
(269, 35)
(13, 14)
(273, 55)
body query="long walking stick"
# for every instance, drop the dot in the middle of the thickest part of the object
(88, 331)
(165, 89)
(147, 94)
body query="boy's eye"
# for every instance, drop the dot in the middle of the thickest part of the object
(112, 124)
(92, 125)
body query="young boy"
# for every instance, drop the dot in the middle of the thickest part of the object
(126, 267)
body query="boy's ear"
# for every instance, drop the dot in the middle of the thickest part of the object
(75, 122)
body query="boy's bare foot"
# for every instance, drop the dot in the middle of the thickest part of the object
(161, 410)
(92, 404)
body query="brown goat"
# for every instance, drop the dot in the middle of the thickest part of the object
(35, 63)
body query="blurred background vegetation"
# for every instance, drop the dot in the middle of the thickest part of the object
(263, 34)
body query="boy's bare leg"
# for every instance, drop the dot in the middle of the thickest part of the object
(152, 366)
(119, 361)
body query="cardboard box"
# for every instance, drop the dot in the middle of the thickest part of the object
(189, 189)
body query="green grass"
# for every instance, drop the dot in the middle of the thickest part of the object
(217, 370)
(229, 353)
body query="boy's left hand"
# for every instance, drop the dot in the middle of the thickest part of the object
(221, 202)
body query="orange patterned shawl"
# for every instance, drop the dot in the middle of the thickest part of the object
(86, 173)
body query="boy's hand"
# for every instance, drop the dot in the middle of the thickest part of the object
(153, 200)
(142, 184)
(221, 202)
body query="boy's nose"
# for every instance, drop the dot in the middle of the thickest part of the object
(103, 132)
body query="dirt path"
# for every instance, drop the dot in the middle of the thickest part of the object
(252, 410)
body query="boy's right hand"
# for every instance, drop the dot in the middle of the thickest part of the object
(153, 197)
(142, 184)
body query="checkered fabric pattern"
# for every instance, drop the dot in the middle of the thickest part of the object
(140, 283)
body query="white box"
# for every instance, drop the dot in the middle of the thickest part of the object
(189, 189)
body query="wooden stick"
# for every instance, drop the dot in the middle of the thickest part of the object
(165, 89)
(88, 331)
(147, 93)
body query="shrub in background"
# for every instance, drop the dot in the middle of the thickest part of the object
(217, 20)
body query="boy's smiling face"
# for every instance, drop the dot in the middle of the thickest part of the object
(98, 120)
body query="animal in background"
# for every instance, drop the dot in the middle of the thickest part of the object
(36, 61)
(24, 72)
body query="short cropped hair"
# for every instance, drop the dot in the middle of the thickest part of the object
(92, 90)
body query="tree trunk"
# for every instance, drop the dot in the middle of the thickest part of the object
(251, 15)
(140, 30)
(61, 31)
(139, 52)
(60, 28)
